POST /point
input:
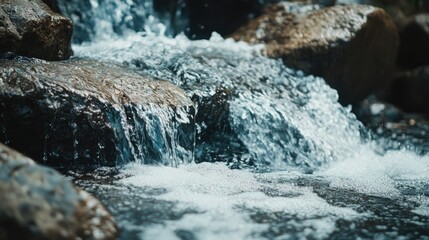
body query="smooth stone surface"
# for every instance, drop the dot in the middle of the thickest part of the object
(352, 47)
(30, 28)
(84, 113)
(38, 203)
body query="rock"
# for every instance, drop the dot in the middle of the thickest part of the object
(39, 203)
(9, 36)
(30, 28)
(410, 90)
(414, 47)
(352, 47)
(81, 113)
(81, 13)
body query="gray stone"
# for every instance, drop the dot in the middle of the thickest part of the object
(352, 47)
(39, 203)
(30, 28)
(82, 113)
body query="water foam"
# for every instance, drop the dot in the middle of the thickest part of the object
(285, 120)
(224, 200)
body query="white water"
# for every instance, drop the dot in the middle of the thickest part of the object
(289, 124)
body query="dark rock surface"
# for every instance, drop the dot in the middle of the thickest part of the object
(31, 29)
(410, 90)
(352, 47)
(82, 113)
(39, 203)
(414, 47)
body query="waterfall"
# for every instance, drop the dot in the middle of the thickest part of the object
(275, 116)
(250, 110)
(310, 168)
(280, 116)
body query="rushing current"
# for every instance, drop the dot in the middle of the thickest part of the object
(276, 156)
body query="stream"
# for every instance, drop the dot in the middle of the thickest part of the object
(275, 155)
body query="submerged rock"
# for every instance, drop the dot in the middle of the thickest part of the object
(414, 47)
(31, 29)
(39, 203)
(352, 47)
(85, 113)
(410, 90)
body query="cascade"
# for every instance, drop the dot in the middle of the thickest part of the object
(309, 168)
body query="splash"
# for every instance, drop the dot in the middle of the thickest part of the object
(280, 117)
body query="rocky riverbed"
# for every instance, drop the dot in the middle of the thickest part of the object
(298, 119)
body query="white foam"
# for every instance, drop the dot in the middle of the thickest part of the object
(225, 198)
(369, 173)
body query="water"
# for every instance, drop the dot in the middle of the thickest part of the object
(278, 157)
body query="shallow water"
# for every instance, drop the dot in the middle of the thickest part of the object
(316, 171)
(278, 157)
(211, 201)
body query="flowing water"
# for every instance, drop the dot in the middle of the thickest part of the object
(276, 156)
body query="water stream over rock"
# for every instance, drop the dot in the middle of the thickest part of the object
(307, 168)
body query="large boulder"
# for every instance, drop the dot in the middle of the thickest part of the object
(39, 203)
(81, 113)
(409, 90)
(353, 47)
(30, 28)
(414, 47)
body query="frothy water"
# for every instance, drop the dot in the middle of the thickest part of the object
(279, 116)
(309, 169)
(288, 124)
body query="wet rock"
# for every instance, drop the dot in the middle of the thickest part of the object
(30, 28)
(414, 47)
(9, 36)
(352, 47)
(81, 13)
(81, 113)
(39, 203)
(410, 90)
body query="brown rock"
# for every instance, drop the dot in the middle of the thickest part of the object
(30, 28)
(414, 47)
(82, 113)
(352, 47)
(39, 203)
(410, 90)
